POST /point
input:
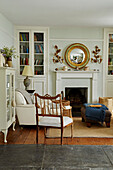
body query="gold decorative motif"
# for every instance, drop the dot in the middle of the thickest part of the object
(58, 58)
(97, 58)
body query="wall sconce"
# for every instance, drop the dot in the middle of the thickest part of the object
(97, 58)
(58, 58)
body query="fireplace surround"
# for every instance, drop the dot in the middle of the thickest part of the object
(78, 79)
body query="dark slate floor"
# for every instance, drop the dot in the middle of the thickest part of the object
(56, 157)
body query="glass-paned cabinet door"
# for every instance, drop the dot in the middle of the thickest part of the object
(23, 49)
(110, 55)
(12, 95)
(8, 96)
(38, 53)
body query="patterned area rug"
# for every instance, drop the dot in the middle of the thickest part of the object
(81, 130)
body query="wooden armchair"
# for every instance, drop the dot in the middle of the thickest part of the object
(49, 114)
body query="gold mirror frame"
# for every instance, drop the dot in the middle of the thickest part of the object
(85, 52)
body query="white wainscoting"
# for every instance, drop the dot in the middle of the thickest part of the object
(109, 88)
(38, 84)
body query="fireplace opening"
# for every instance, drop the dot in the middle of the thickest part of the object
(76, 96)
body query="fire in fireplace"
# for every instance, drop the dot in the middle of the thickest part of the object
(77, 97)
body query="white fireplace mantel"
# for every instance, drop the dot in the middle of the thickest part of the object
(70, 75)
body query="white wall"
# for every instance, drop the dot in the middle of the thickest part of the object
(65, 36)
(6, 32)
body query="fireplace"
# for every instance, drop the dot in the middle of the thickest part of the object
(78, 79)
(77, 97)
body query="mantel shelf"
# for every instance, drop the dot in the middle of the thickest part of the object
(61, 71)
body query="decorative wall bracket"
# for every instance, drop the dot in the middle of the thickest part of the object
(97, 58)
(58, 58)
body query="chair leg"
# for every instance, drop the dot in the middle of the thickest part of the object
(45, 130)
(61, 135)
(72, 131)
(37, 129)
(83, 119)
(108, 124)
(88, 124)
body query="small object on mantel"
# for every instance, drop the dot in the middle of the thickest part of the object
(76, 69)
(96, 69)
(64, 68)
(56, 69)
(86, 68)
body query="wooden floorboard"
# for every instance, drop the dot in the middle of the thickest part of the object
(27, 135)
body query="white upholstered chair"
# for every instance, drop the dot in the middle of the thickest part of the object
(107, 101)
(26, 113)
(51, 115)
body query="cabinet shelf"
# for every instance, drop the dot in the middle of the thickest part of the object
(38, 53)
(110, 53)
(24, 41)
(38, 65)
(24, 53)
(38, 42)
(23, 65)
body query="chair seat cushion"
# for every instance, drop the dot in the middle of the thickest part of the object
(54, 121)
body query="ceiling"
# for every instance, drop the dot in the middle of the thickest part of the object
(96, 13)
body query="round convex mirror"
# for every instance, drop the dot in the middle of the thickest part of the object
(77, 55)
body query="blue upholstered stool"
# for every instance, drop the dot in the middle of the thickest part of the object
(88, 121)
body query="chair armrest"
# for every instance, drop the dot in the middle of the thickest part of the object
(67, 107)
(67, 111)
(26, 106)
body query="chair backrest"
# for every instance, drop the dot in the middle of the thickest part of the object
(49, 106)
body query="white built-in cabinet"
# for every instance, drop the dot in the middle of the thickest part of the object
(7, 99)
(32, 48)
(108, 62)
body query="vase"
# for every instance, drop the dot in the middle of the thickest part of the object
(9, 61)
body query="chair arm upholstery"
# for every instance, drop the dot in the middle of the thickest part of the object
(26, 106)
(107, 101)
(110, 105)
(26, 114)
